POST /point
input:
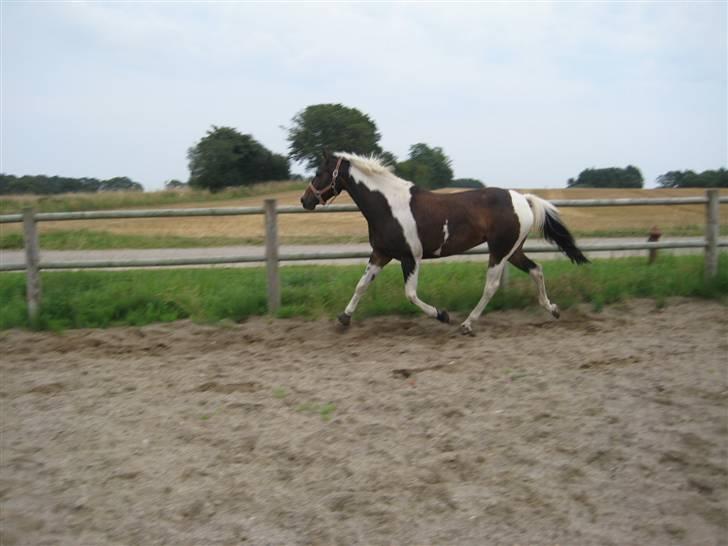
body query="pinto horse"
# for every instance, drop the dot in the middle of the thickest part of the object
(409, 224)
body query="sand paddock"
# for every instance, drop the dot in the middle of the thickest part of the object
(600, 428)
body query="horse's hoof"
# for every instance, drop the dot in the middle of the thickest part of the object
(344, 319)
(443, 316)
(466, 329)
(555, 311)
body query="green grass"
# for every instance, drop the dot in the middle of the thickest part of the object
(107, 298)
(71, 202)
(326, 411)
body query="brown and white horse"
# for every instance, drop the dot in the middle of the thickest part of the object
(409, 224)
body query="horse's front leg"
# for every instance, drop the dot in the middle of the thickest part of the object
(376, 263)
(411, 271)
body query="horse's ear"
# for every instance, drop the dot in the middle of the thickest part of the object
(325, 154)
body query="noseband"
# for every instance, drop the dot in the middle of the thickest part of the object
(331, 186)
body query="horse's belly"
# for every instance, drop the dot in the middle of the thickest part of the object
(452, 247)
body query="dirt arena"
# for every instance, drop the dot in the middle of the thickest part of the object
(601, 428)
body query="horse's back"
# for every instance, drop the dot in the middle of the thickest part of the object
(451, 223)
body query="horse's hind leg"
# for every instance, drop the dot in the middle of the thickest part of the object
(376, 263)
(524, 263)
(492, 282)
(411, 272)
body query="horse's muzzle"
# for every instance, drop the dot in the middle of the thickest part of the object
(309, 202)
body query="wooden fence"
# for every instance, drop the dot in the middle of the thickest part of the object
(33, 265)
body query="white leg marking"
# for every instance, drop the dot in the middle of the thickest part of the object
(537, 276)
(492, 283)
(361, 287)
(410, 290)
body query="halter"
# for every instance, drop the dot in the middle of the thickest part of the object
(331, 186)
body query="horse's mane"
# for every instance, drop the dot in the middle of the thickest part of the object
(371, 165)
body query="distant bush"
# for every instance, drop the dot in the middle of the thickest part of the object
(467, 183)
(611, 177)
(175, 185)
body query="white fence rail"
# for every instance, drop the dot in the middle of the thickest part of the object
(272, 258)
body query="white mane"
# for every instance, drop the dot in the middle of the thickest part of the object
(370, 166)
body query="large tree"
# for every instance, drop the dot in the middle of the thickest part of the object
(611, 177)
(427, 167)
(332, 127)
(224, 157)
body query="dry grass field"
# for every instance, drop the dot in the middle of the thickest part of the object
(351, 227)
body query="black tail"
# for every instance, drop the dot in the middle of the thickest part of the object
(556, 232)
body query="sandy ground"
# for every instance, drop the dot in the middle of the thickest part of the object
(600, 428)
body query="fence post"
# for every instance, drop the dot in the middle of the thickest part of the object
(32, 260)
(271, 255)
(652, 237)
(711, 233)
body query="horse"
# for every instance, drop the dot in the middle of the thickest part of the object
(410, 224)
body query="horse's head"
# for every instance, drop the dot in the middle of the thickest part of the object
(328, 182)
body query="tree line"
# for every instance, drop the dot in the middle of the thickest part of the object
(224, 157)
(49, 185)
(631, 177)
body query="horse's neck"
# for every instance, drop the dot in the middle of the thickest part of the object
(363, 199)
(368, 197)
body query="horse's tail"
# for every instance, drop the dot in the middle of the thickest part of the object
(547, 220)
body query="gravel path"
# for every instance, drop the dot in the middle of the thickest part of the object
(13, 257)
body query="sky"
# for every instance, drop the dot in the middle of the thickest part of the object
(517, 94)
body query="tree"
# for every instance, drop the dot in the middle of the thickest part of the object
(224, 157)
(689, 179)
(332, 127)
(427, 167)
(612, 177)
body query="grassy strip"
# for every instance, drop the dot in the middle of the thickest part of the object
(86, 239)
(71, 202)
(108, 298)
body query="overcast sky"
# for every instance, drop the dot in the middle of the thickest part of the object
(518, 94)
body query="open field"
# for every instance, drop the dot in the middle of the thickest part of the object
(598, 429)
(344, 227)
